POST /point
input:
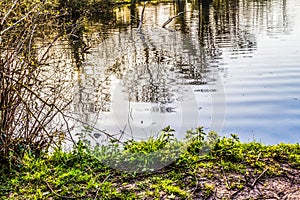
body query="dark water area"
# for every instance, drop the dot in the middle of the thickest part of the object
(230, 66)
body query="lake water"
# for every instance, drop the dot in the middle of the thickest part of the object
(232, 67)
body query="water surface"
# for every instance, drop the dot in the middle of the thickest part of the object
(231, 67)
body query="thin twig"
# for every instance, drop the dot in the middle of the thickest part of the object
(224, 176)
(29, 110)
(130, 115)
(122, 132)
(236, 192)
(44, 102)
(60, 196)
(17, 22)
(7, 14)
(105, 133)
(100, 187)
(258, 156)
(31, 36)
(171, 18)
(255, 181)
(97, 193)
(196, 187)
(142, 17)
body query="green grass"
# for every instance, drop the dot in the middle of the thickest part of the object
(85, 174)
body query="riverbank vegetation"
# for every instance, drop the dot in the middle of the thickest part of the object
(32, 105)
(229, 170)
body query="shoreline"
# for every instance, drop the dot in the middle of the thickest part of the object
(230, 170)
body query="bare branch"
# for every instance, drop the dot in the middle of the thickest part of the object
(171, 18)
(10, 10)
(104, 132)
(17, 22)
(255, 181)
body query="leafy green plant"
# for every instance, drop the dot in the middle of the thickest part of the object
(208, 188)
(142, 156)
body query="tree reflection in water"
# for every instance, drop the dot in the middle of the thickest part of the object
(160, 66)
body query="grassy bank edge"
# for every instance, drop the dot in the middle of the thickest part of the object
(229, 165)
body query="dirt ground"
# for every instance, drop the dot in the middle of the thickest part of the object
(285, 186)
